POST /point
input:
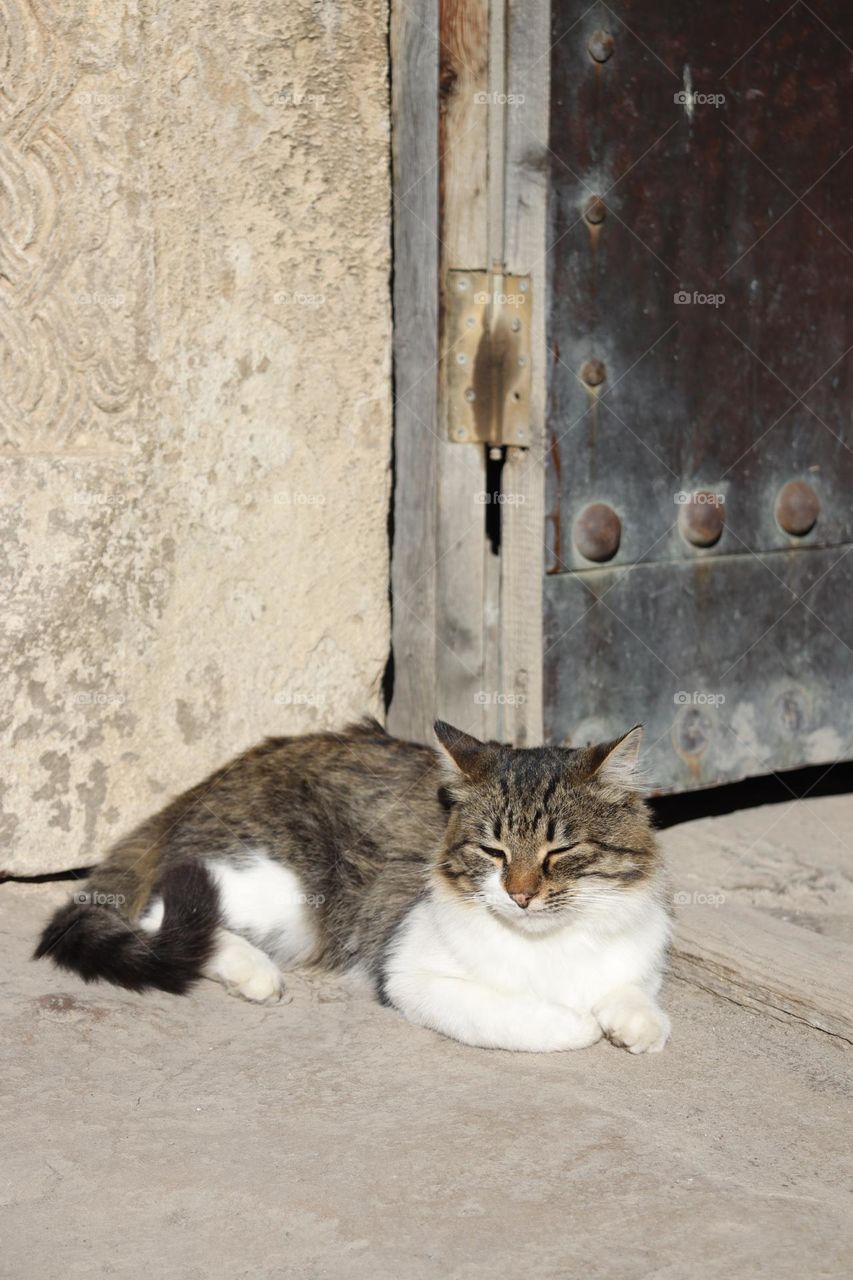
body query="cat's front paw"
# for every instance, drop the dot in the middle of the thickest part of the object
(634, 1022)
(577, 1029)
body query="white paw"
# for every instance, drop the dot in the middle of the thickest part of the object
(639, 1027)
(248, 972)
(581, 1030)
(555, 1029)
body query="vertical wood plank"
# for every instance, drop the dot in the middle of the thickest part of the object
(467, 625)
(414, 114)
(463, 230)
(523, 481)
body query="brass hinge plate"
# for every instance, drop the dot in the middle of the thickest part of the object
(487, 357)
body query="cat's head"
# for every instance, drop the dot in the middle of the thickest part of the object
(540, 835)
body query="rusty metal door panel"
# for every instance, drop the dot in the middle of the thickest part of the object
(733, 668)
(700, 381)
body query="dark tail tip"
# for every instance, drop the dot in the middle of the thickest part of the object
(95, 941)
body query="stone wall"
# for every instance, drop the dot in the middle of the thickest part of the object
(194, 396)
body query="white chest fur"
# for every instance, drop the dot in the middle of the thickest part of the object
(617, 942)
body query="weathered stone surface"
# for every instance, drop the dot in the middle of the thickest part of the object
(194, 407)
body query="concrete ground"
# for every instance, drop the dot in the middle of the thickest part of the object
(202, 1137)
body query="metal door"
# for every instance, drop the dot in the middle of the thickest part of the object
(699, 499)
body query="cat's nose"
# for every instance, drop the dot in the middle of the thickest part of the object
(523, 899)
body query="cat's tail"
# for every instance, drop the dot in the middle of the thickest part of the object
(92, 937)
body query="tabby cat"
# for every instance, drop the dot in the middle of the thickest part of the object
(509, 898)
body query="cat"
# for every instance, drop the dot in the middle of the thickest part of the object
(508, 898)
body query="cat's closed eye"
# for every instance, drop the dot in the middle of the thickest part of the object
(492, 852)
(553, 854)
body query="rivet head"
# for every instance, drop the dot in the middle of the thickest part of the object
(600, 46)
(461, 284)
(694, 732)
(470, 395)
(523, 286)
(595, 210)
(593, 372)
(702, 518)
(797, 508)
(461, 358)
(597, 532)
(791, 711)
(515, 325)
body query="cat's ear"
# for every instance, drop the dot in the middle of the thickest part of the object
(617, 762)
(462, 753)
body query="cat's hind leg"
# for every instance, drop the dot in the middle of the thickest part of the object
(244, 970)
(269, 922)
(267, 904)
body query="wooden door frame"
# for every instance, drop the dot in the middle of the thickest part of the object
(469, 109)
